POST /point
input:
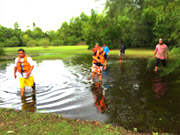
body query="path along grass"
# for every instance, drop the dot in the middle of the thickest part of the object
(67, 52)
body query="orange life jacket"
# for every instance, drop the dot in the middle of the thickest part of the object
(100, 57)
(26, 66)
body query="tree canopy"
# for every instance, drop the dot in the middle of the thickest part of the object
(138, 23)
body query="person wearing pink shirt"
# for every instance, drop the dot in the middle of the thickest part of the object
(161, 53)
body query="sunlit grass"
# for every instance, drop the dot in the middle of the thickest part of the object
(67, 52)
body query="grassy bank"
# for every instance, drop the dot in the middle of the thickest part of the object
(67, 52)
(21, 122)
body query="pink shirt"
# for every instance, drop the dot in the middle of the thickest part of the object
(161, 51)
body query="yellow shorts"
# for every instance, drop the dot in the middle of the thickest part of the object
(26, 82)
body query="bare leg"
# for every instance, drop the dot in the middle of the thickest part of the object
(156, 68)
(100, 77)
(22, 91)
(93, 75)
(34, 88)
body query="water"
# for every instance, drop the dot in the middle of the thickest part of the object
(129, 95)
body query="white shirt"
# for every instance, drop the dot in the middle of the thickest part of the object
(30, 61)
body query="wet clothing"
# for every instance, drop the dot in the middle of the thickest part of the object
(122, 55)
(106, 50)
(123, 48)
(160, 60)
(26, 82)
(22, 64)
(102, 57)
(161, 51)
(97, 69)
(21, 60)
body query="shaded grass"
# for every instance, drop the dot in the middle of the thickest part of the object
(67, 52)
(21, 122)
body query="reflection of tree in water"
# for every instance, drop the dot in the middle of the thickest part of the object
(159, 86)
(29, 102)
(100, 102)
(137, 107)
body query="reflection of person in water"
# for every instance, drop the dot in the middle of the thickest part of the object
(159, 86)
(100, 102)
(29, 102)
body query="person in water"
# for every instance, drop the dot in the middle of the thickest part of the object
(23, 70)
(122, 52)
(161, 53)
(98, 60)
(106, 50)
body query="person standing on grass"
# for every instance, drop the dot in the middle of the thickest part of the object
(106, 50)
(23, 70)
(161, 53)
(122, 52)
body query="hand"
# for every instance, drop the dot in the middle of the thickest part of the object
(15, 75)
(104, 67)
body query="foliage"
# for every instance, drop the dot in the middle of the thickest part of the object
(138, 23)
(173, 63)
(44, 42)
(1, 48)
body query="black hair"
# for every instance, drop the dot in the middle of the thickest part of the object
(21, 50)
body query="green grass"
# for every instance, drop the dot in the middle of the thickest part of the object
(67, 52)
(22, 123)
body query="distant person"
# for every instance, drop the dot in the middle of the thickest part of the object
(96, 48)
(98, 61)
(106, 50)
(23, 70)
(161, 52)
(122, 52)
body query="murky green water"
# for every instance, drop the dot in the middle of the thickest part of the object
(129, 95)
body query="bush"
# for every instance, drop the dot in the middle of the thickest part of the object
(1, 48)
(57, 42)
(72, 40)
(32, 43)
(44, 42)
(12, 42)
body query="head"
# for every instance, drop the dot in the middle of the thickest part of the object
(104, 45)
(21, 53)
(121, 42)
(101, 50)
(96, 45)
(160, 41)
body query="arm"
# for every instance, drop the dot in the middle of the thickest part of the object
(15, 70)
(30, 71)
(108, 51)
(31, 62)
(155, 53)
(95, 58)
(105, 63)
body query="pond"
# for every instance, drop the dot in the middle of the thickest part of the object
(129, 95)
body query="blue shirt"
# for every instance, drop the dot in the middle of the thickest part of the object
(106, 50)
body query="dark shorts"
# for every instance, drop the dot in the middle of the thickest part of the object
(159, 60)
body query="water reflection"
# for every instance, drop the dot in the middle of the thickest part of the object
(99, 97)
(159, 86)
(29, 102)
